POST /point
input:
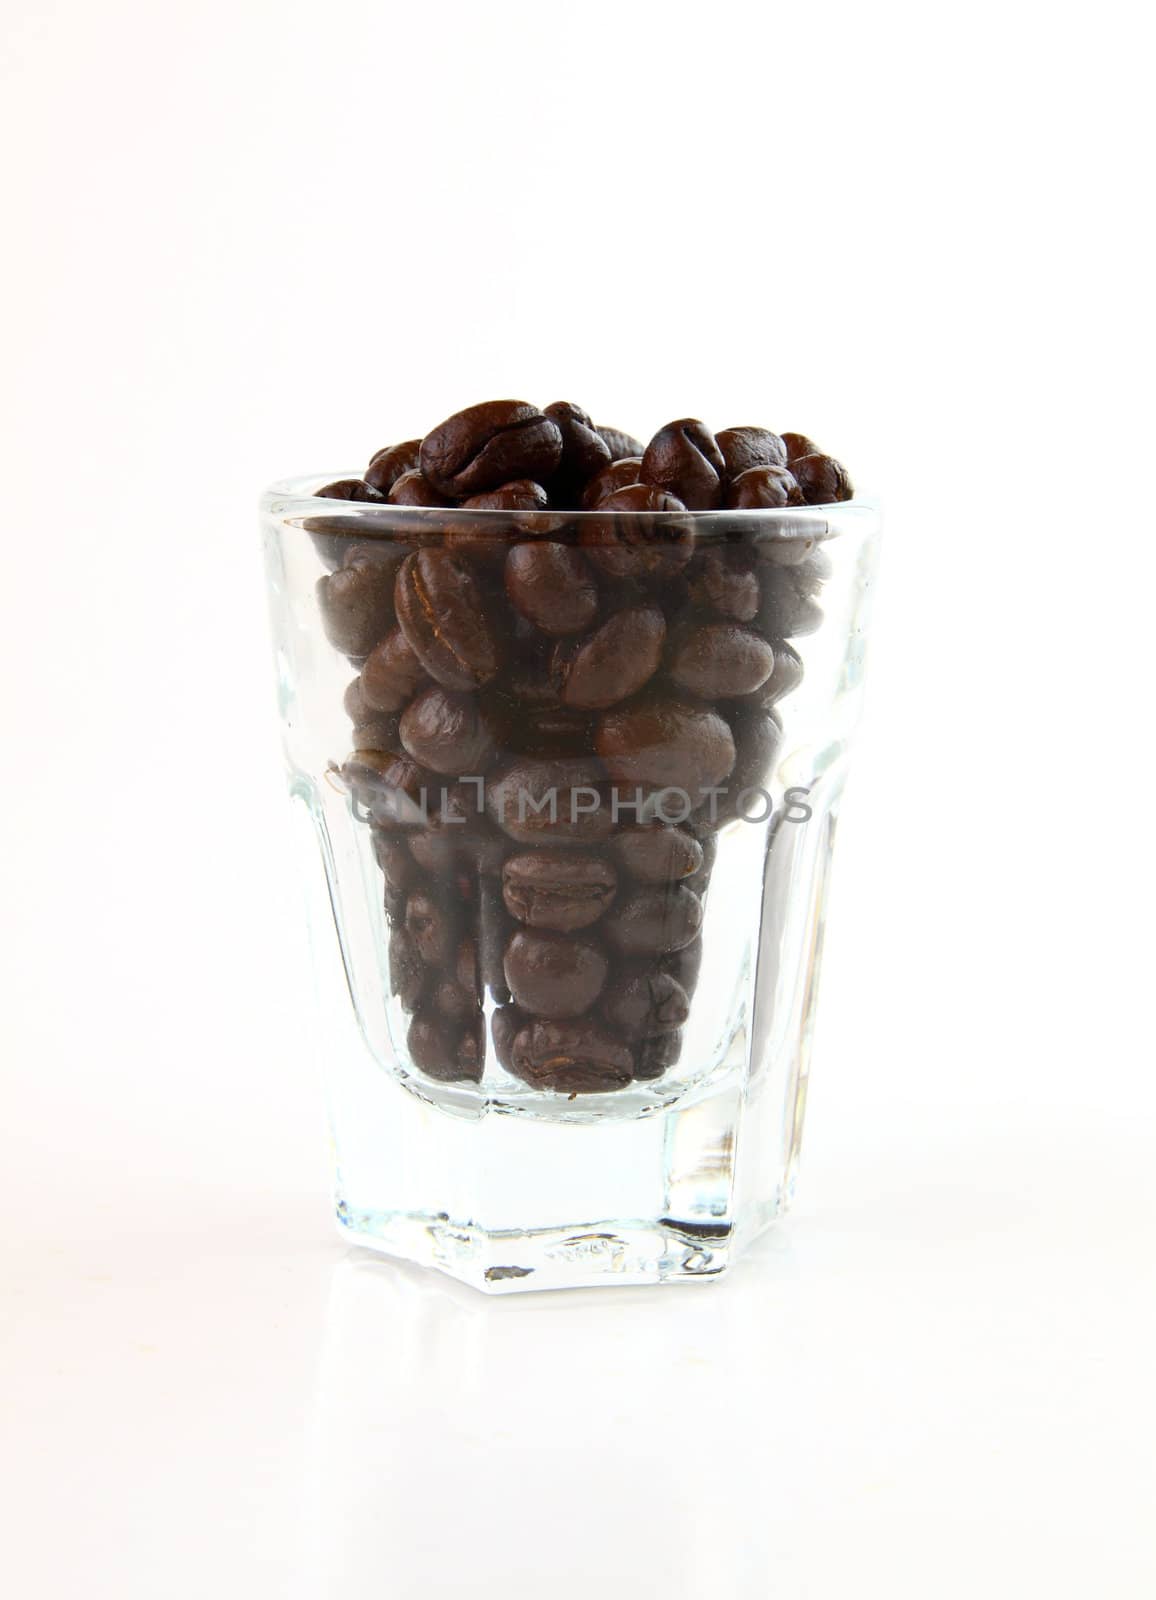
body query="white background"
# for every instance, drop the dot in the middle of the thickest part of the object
(250, 239)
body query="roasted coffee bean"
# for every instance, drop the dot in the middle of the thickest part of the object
(614, 661)
(433, 926)
(356, 605)
(392, 674)
(657, 853)
(351, 489)
(441, 611)
(443, 1051)
(397, 868)
(685, 964)
(669, 743)
(372, 730)
(487, 539)
(822, 479)
(450, 1001)
(750, 447)
(618, 475)
(723, 581)
(651, 922)
(797, 444)
(414, 489)
(550, 801)
(657, 1054)
(466, 969)
(489, 444)
(445, 731)
(392, 788)
(387, 465)
(786, 677)
(764, 489)
(435, 853)
(684, 459)
(637, 534)
(584, 450)
(523, 494)
(563, 890)
(758, 739)
(494, 928)
(571, 1057)
(553, 976)
(551, 586)
(620, 444)
(407, 970)
(644, 1001)
(719, 660)
(788, 609)
(505, 1025)
(543, 731)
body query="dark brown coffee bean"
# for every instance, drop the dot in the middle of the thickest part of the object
(764, 489)
(668, 743)
(407, 971)
(652, 922)
(392, 788)
(351, 489)
(372, 730)
(619, 475)
(584, 450)
(786, 677)
(657, 853)
(788, 609)
(685, 964)
(387, 465)
(445, 731)
(441, 610)
(551, 586)
(397, 868)
(551, 975)
(645, 1001)
(621, 444)
(614, 661)
(414, 489)
(443, 1051)
(466, 969)
(758, 739)
(684, 459)
(449, 1000)
(657, 1054)
(638, 534)
(550, 801)
(719, 660)
(505, 1025)
(571, 1057)
(563, 890)
(488, 539)
(822, 479)
(435, 853)
(433, 926)
(392, 674)
(489, 444)
(750, 447)
(723, 581)
(356, 605)
(494, 928)
(797, 444)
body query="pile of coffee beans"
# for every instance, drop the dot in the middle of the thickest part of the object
(557, 706)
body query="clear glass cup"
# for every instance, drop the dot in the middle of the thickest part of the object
(567, 960)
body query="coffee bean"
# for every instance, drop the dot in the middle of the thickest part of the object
(786, 677)
(563, 890)
(723, 581)
(441, 611)
(584, 450)
(466, 969)
(657, 1054)
(392, 788)
(395, 862)
(645, 1001)
(553, 976)
(764, 489)
(494, 928)
(618, 475)
(822, 479)
(351, 489)
(392, 674)
(414, 489)
(684, 459)
(432, 925)
(356, 605)
(435, 853)
(505, 1025)
(614, 661)
(685, 964)
(669, 743)
(571, 1057)
(651, 922)
(550, 801)
(443, 1051)
(444, 731)
(657, 853)
(487, 539)
(787, 609)
(490, 444)
(372, 730)
(551, 586)
(797, 444)
(407, 971)
(620, 444)
(387, 465)
(637, 534)
(719, 660)
(750, 447)
(450, 1001)
(758, 736)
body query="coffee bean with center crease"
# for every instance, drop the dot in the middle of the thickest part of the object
(719, 660)
(445, 731)
(652, 922)
(551, 975)
(387, 465)
(444, 1051)
(550, 801)
(620, 444)
(441, 611)
(551, 586)
(669, 743)
(723, 581)
(487, 539)
(646, 1000)
(432, 925)
(584, 450)
(684, 459)
(562, 890)
(764, 489)
(822, 479)
(356, 605)
(618, 475)
(657, 853)
(638, 534)
(614, 661)
(414, 489)
(797, 444)
(489, 444)
(750, 447)
(351, 489)
(392, 673)
(571, 1057)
